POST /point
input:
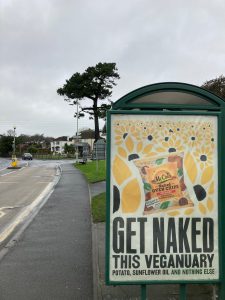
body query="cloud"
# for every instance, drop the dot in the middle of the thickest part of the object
(45, 42)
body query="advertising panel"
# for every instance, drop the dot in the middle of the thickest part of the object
(163, 198)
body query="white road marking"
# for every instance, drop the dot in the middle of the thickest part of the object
(8, 173)
(21, 168)
(1, 182)
(2, 213)
(25, 213)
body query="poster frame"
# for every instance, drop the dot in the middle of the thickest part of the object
(221, 205)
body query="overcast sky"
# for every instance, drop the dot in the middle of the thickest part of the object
(44, 42)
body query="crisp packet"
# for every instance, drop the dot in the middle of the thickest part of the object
(163, 183)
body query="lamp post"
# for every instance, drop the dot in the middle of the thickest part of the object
(14, 160)
(76, 136)
(77, 119)
(14, 141)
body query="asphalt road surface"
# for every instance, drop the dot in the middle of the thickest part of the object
(22, 191)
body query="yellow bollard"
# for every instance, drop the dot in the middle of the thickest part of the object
(14, 162)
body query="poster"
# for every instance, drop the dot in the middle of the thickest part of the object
(163, 198)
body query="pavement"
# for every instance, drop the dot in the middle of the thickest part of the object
(61, 254)
(52, 258)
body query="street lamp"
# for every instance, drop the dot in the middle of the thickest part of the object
(77, 119)
(14, 159)
(14, 141)
(76, 136)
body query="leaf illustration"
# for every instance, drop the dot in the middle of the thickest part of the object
(147, 186)
(159, 161)
(164, 205)
(180, 172)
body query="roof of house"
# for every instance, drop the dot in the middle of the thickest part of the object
(63, 139)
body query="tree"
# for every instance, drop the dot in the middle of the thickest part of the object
(6, 143)
(87, 134)
(216, 86)
(96, 84)
(69, 149)
(104, 128)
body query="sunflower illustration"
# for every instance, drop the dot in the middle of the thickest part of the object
(123, 129)
(149, 132)
(176, 127)
(204, 156)
(210, 140)
(171, 144)
(134, 149)
(206, 127)
(193, 137)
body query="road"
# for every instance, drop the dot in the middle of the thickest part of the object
(22, 191)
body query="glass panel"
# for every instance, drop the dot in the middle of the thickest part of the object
(171, 97)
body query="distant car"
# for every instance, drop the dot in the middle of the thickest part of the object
(27, 156)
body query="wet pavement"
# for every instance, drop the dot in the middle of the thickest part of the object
(52, 259)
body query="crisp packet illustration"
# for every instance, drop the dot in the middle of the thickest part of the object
(163, 183)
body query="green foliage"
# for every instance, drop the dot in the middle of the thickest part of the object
(104, 128)
(32, 149)
(87, 134)
(98, 208)
(69, 149)
(94, 171)
(216, 86)
(6, 145)
(95, 83)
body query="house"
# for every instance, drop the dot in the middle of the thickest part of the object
(57, 145)
(83, 142)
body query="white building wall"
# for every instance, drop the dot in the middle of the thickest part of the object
(58, 146)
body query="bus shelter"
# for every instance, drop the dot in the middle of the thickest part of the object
(165, 188)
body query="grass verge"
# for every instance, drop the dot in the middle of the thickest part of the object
(98, 208)
(94, 171)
